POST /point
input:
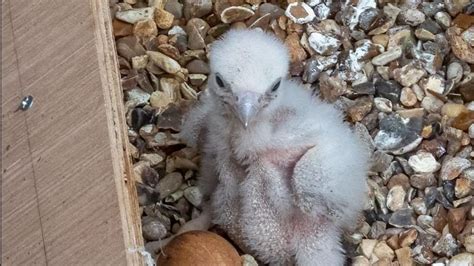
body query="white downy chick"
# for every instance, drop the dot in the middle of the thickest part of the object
(283, 172)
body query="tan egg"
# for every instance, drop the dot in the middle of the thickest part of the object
(199, 248)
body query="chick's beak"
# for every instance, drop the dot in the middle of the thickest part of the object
(246, 106)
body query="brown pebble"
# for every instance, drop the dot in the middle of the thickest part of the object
(463, 120)
(456, 220)
(408, 237)
(121, 28)
(464, 21)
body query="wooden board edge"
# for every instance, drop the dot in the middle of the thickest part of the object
(124, 178)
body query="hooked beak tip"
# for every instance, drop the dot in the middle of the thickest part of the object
(247, 107)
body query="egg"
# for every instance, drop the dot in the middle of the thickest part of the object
(198, 248)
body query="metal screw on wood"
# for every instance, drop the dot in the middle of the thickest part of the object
(26, 103)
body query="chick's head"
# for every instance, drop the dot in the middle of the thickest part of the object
(247, 69)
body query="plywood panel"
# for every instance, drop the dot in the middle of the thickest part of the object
(21, 225)
(64, 195)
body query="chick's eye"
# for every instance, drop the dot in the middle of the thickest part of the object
(219, 81)
(276, 86)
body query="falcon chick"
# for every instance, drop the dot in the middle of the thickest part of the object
(283, 173)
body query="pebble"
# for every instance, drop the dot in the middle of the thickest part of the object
(469, 243)
(235, 14)
(360, 261)
(464, 120)
(153, 158)
(121, 28)
(193, 195)
(323, 44)
(404, 256)
(453, 110)
(412, 17)
(360, 108)
(129, 47)
(432, 104)
(419, 206)
(456, 220)
(387, 57)
(396, 198)
(300, 12)
(459, 46)
(164, 62)
(407, 238)
(409, 74)
(154, 230)
(132, 16)
(145, 29)
(408, 97)
(443, 19)
(198, 66)
(169, 184)
(367, 247)
(297, 52)
(160, 99)
(398, 135)
(383, 251)
(138, 96)
(453, 167)
(423, 162)
(197, 9)
(377, 229)
(402, 218)
(462, 259)
(163, 19)
(455, 72)
(196, 30)
(446, 245)
(383, 104)
(388, 89)
(433, 83)
(139, 62)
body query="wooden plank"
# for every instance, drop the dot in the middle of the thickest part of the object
(21, 225)
(77, 138)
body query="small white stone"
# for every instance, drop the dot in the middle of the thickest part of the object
(132, 16)
(443, 19)
(139, 62)
(462, 259)
(396, 198)
(323, 44)
(432, 104)
(383, 104)
(299, 7)
(176, 30)
(423, 162)
(313, 3)
(138, 96)
(433, 83)
(471, 131)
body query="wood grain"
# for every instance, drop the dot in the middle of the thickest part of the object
(65, 199)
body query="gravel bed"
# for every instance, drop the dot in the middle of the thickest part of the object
(403, 72)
